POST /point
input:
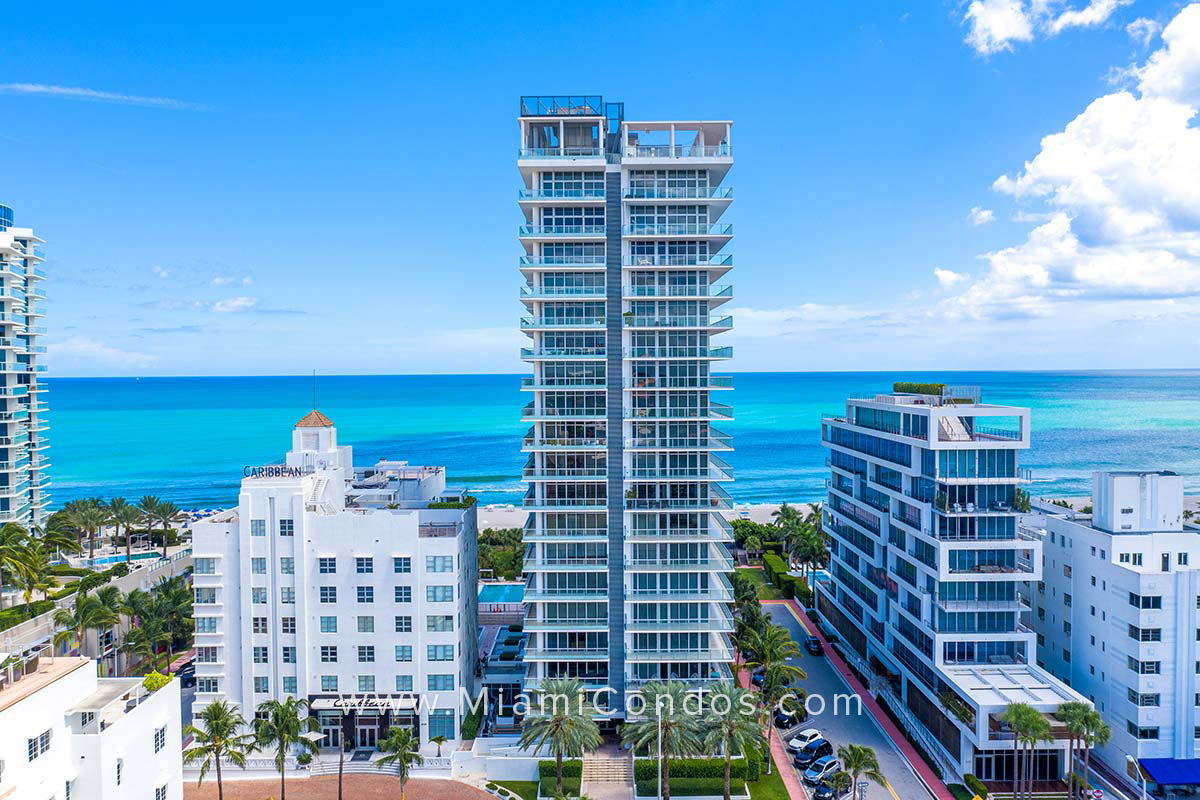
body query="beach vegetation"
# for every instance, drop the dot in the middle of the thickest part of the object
(501, 551)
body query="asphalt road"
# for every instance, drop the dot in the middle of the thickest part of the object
(843, 728)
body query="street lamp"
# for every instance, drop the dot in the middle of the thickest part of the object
(1136, 770)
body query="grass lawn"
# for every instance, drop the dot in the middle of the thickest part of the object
(766, 590)
(526, 789)
(768, 787)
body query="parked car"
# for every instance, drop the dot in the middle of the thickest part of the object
(812, 752)
(827, 792)
(186, 675)
(821, 769)
(813, 646)
(786, 719)
(797, 742)
(758, 678)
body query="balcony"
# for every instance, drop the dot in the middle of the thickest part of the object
(563, 473)
(533, 503)
(632, 321)
(717, 470)
(532, 534)
(590, 193)
(528, 384)
(527, 153)
(665, 260)
(557, 262)
(702, 382)
(530, 412)
(721, 229)
(712, 411)
(716, 440)
(721, 623)
(561, 231)
(556, 654)
(713, 561)
(716, 653)
(582, 624)
(720, 591)
(715, 291)
(678, 193)
(717, 499)
(722, 533)
(562, 292)
(679, 352)
(558, 323)
(566, 564)
(678, 151)
(573, 105)
(577, 443)
(558, 353)
(544, 596)
(717, 673)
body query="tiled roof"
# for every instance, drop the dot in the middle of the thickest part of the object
(315, 419)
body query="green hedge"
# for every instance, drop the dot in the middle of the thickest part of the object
(754, 761)
(549, 786)
(572, 768)
(644, 769)
(470, 724)
(692, 787)
(18, 614)
(467, 502)
(909, 387)
(975, 785)
(67, 569)
(803, 593)
(774, 567)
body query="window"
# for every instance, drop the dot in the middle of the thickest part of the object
(1066, 570)
(366, 683)
(287, 594)
(440, 652)
(1123, 558)
(327, 594)
(258, 566)
(287, 624)
(439, 623)
(287, 527)
(366, 654)
(1141, 733)
(1181, 559)
(258, 595)
(328, 624)
(1145, 601)
(326, 565)
(206, 624)
(1137, 559)
(364, 565)
(1144, 667)
(259, 624)
(258, 527)
(404, 652)
(206, 655)
(1066, 655)
(404, 683)
(39, 745)
(328, 653)
(366, 624)
(403, 624)
(287, 565)
(1145, 634)
(439, 563)
(1143, 699)
(204, 566)
(441, 723)
(160, 738)
(120, 770)
(403, 594)
(1066, 600)
(206, 685)
(329, 683)
(289, 654)
(402, 564)
(441, 683)
(160, 793)
(365, 594)
(289, 684)
(439, 594)
(260, 655)
(261, 684)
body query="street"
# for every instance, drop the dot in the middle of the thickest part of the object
(842, 729)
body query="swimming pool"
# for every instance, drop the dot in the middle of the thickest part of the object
(502, 593)
(120, 558)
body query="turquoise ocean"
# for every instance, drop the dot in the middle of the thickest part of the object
(187, 439)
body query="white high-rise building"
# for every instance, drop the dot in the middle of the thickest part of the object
(67, 735)
(24, 480)
(353, 589)
(926, 566)
(1117, 616)
(626, 566)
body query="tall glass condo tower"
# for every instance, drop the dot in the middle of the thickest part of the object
(626, 564)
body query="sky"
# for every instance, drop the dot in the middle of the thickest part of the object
(274, 189)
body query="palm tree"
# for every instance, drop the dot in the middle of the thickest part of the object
(784, 515)
(753, 544)
(89, 518)
(1037, 732)
(439, 741)
(841, 782)
(1095, 734)
(218, 738)
(173, 604)
(36, 577)
(859, 761)
(280, 725)
(561, 724)
(1018, 716)
(123, 514)
(680, 732)
(1072, 715)
(56, 535)
(770, 652)
(110, 597)
(167, 514)
(400, 747)
(141, 641)
(14, 550)
(731, 725)
(148, 508)
(87, 613)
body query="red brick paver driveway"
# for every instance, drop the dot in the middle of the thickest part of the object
(355, 787)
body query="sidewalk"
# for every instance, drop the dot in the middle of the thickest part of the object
(779, 755)
(932, 782)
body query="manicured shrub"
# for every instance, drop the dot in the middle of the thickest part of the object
(644, 769)
(470, 724)
(692, 787)
(155, 680)
(774, 567)
(975, 785)
(572, 768)
(911, 387)
(549, 786)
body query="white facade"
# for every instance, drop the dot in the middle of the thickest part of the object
(24, 480)
(926, 564)
(64, 733)
(313, 587)
(627, 569)
(1116, 612)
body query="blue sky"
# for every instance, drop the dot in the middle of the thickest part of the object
(265, 189)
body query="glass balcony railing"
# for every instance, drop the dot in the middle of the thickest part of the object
(563, 502)
(545, 231)
(561, 352)
(591, 193)
(714, 441)
(592, 413)
(554, 473)
(705, 321)
(716, 290)
(555, 292)
(678, 192)
(550, 443)
(716, 500)
(714, 561)
(562, 322)
(564, 383)
(712, 410)
(700, 382)
(670, 260)
(679, 229)
(563, 261)
(562, 105)
(679, 352)
(561, 152)
(677, 151)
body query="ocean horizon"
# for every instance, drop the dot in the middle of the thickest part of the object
(187, 439)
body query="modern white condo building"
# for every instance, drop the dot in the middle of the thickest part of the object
(1117, 616)
(24, 479)
(351, 588)
(67, 735)
(926, 565)
(626, 565)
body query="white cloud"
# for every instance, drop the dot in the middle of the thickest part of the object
(994, 25)
(948, 277)
(159, 271)
(981, 216)
(1143, 30)
(81, 93)
(1173, 71)
(235, 304)
(91, 353)
(226, 280)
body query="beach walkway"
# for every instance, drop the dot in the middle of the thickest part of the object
(932, 783)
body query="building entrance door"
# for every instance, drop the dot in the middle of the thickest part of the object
(367, 735)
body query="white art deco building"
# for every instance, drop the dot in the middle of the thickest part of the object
(351, 588)
(24, 479)
(624, 253)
